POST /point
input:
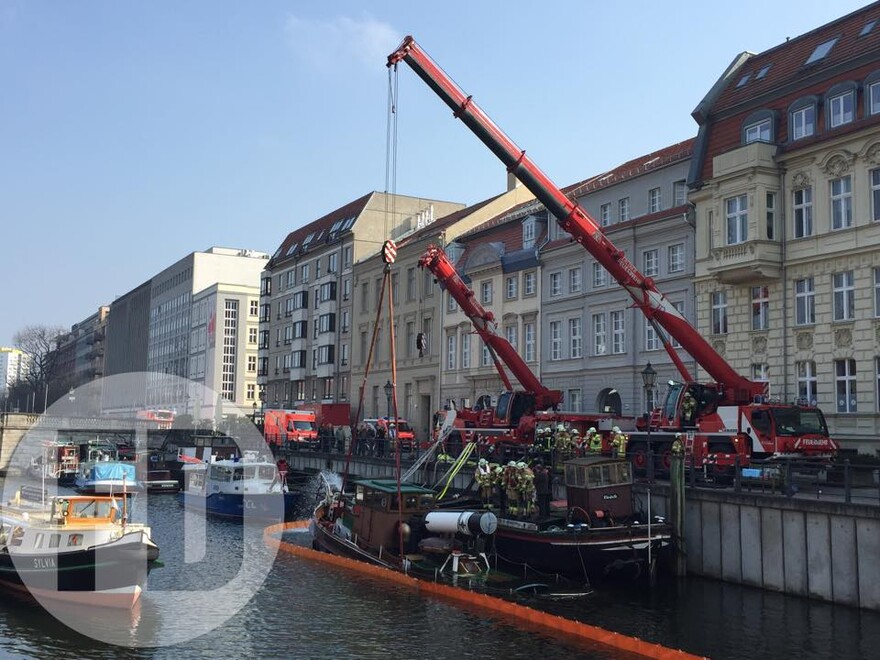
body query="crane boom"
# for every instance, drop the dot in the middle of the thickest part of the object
(577, 222)
(436, 261)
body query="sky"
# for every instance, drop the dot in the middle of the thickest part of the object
(133, 133)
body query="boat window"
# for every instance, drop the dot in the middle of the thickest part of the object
(219, 473)
(267, 472)
(250, 472)
(581, 476)
(595, 476)
(54, 540)
(17, 535)
(426, 501)
(623, 475)
(38, 540)
(74, 539)
(359, 496)
(238, 474)
(570, 471)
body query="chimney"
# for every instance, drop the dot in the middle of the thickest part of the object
(512, 182)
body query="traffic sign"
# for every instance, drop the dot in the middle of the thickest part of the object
(389, 252)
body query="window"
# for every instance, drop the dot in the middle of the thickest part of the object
(252, 363)
(300, 330)
(318, 268)
(803, 212)
(487, 356)
(605, 214)
(877, 292)
(760, 308)
(599, 334)
(265, 312)
(301, 300)
(450, 352)
(343, 354)
(873, 100)
(327, 323)
(450, 303)
(410, 284)
(288, 307)
(304, 273)
(346, 321)
(875, 195)
(428, 284)
(528, 233)
(805, 302)
(486, 292)
(254, 308)
(290, 278)
(510, 335)
(841, 202)
(395, 288)
(328, 291)
(762, 72)
(466, 351)
(510, 287)
(529, 284)
(821, 51)
(844, 296)
(575, 338)
(574, 400)
(555, 284)
(737, 219)
(679, 193)
(845, 381)
(252, 335)
(654, 200)
(761, 374)
(650, 263)
(719, 313)
(251, 391)
(264, 339)
(555, 340)
(803, 122)
(410, 338)
(332, 262)
(346, 256)
(652, 340)
(574, 280)
(758, 132)
(807, 382)
(299, 359)
(771, 215)
(676, 258)
(618, 333)
(529, 336)
(346, 288)
(266, 285)
(600, 275)
(840, 109)
(623, 209)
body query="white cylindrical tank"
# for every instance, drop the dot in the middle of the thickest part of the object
(470, 523)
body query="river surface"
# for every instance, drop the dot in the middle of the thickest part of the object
(305, 610)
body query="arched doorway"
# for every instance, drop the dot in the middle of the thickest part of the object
(609, 401)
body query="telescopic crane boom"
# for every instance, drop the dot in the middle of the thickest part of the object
(436, 261)
(735, 389)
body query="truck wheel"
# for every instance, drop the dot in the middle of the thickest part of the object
(638, 453)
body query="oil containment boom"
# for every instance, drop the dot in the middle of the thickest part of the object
(735, 389)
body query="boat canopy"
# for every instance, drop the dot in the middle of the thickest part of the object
(114, 471)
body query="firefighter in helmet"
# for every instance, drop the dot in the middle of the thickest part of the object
(618, 442)
(484, 479)
(594, 439)
(678, 445)
(509, 484)
(688, 408)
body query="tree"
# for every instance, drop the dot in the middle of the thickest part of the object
(40, 368)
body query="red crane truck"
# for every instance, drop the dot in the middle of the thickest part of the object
(731, 419)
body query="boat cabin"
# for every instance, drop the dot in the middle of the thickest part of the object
(599, 489)
(376, 513)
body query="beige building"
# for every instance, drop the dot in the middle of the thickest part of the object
(418, 310)
(786, 179)
(307, 295)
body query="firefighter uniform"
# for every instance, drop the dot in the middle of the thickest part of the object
(594, 440)
(618, 442)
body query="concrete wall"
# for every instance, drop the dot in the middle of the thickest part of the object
(801, 547)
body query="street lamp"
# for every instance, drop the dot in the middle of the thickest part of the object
(648, 376)
(389, 388)
(71, 396)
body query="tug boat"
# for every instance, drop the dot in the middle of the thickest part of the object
(598, 530)
(77, 549)
(437, 545)
(239, 488)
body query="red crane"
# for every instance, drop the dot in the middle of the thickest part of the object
(733, 407)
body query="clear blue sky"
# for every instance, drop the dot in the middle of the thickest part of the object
(132, 133)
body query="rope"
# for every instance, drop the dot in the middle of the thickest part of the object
(462, 459)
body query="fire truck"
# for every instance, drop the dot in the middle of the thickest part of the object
(722, 422)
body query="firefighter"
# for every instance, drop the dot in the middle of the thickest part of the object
(498, 482)
(678, 445)
(525, 486)
(577, 442)
(484, 479)
(688, 408)
(594, 440)
(618, 442)
(509, 482)
(543, 489)
(562, 441)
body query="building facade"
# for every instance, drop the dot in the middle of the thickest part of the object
(786, 186)
(12, 362)
(594, 342)
(307, 296)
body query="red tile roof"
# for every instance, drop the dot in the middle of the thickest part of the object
(787, 61)
(350, 210)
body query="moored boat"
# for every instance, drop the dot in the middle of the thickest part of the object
(242, 488)
(59, 461)
(77, 549)
(101, 471)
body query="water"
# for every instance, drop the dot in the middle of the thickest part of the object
(304, 610)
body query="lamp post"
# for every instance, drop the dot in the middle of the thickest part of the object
(648, 376)
(389, 388)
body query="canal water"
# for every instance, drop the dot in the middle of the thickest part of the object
(304, 610)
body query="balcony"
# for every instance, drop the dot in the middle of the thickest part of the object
(745, 263)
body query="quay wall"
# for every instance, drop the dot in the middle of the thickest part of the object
(13, 427)
(811, 548)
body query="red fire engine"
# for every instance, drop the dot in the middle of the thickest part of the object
(729, 418)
